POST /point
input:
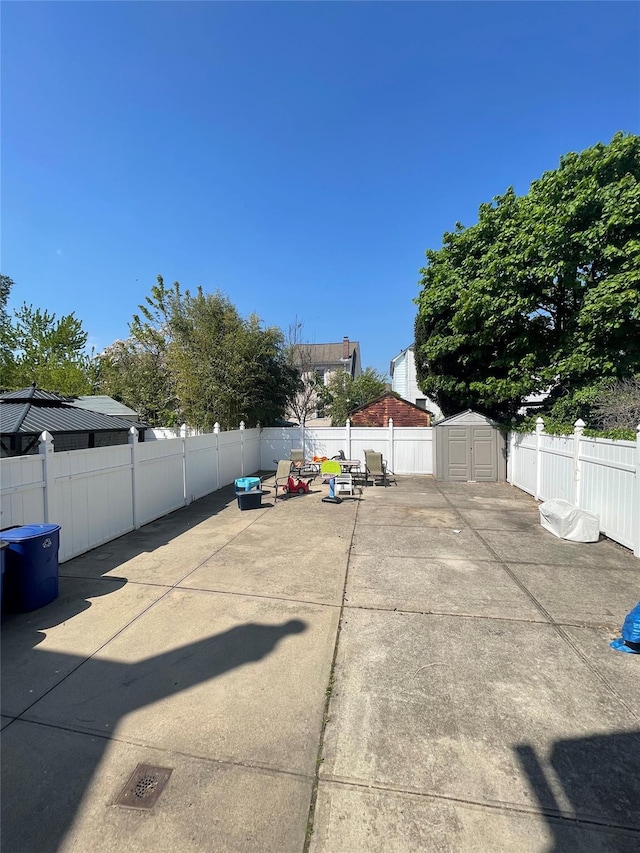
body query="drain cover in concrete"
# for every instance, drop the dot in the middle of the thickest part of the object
(144, 786)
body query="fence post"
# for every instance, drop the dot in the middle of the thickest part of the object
(46, 451)
(242, 448)
(184, 431)
(539, 431)
(578, 429)
(347, 439)
(133, 445)
(303, 439)
(390, 463)
(216, 432)
(511, 461)
(636, 497)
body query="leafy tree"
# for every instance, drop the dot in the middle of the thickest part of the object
(6, 335)
(543, 291)
(618, 405)
(192, 357)
(346, 394)
(137, 376)
(50, 352)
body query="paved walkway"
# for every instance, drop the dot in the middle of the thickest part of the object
(422, 668)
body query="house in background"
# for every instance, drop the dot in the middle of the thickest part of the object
(26, 414)
(377, 412)
(404, 382)
(325, 360)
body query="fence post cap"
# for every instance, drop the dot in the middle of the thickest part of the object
(241, 424)
(45, 436)
(216, 427)
(133, 433)
(579, 424)
(390, 422)
(348, 422)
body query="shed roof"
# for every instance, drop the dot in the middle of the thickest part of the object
(105, 404)
(467, 418)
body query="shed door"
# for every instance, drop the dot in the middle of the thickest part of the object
(457, 453)
(469, 453)
(484, 457)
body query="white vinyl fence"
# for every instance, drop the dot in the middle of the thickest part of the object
(99, 494)
(406, 450)
(595, 474)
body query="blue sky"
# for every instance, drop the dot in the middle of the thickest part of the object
(299, 157)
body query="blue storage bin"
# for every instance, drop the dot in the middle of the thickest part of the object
(31, 566)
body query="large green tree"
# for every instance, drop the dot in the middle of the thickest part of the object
(192, 357)
(50, 351)
(346, 393)
(543, 291)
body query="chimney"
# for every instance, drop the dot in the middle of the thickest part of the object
(345, 347)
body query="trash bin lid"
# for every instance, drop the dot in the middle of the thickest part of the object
(28, 531)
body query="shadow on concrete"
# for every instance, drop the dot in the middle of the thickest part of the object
(596, 780)
(38, 807)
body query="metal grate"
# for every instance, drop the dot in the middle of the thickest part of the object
(144, 786)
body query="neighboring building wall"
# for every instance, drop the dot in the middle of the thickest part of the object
(378, 412)
(405, 382)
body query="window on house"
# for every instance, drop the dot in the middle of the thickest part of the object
(421, 403)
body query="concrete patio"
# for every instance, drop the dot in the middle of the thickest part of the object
(419, 668)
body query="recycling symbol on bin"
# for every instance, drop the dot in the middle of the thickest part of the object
(47, 543)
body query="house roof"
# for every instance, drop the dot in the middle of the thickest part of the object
(328, 353)
(33, 411)
(103, 403)
(389, 405)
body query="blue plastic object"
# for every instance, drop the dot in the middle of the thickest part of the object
(31, 566)
(630, 640)
(245, 484)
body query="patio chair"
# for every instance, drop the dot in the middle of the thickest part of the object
(283, 472)
(376, 468)
(297, 457)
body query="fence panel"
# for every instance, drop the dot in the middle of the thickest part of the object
(159, 478)
(230, 456)
(92, 497)
(22, 496)
(324, 441)
(596, 474)
(413, 450)
(277, 443)
(201, 465)
(370, 438)
(252, 462)
(607, 487)
(523, 461)
(557, 477)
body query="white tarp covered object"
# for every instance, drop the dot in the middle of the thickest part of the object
(568, 522)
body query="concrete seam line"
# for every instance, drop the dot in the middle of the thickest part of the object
(128, 741)
(557, 627)
(329, 691)
(493, 806)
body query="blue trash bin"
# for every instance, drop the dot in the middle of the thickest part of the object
(31, 566)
